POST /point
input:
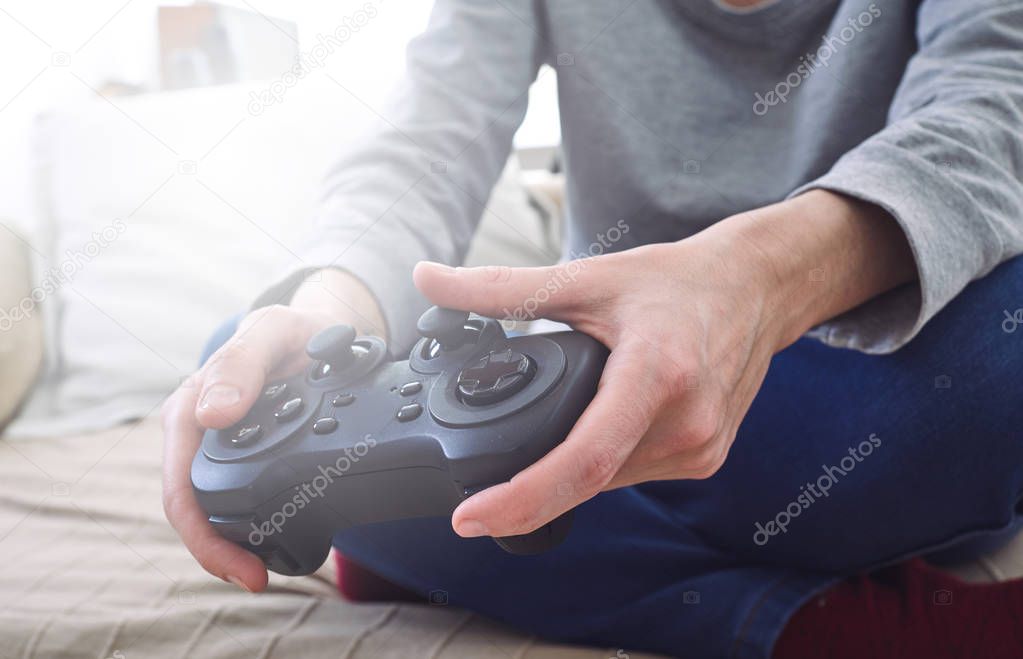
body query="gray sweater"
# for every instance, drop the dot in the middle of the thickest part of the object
(678, 113)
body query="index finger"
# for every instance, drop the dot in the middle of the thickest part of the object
(218, 556)
(577, 469)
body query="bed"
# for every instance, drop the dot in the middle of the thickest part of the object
(88, 565)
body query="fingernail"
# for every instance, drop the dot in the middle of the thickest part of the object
(219, 396)
(471, 528)
(238, 582)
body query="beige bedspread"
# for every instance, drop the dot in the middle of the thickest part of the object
(90, 568)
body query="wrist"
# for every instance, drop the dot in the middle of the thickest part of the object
(815, 256)
(342, 296)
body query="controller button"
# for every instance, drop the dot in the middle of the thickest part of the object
(409, 412)
(275, 391)
(289, 410)
(495, 377)
(343, 400)
(325, 426)
(410, 388)
(247, 434)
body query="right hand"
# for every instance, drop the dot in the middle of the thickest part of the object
(269, 344)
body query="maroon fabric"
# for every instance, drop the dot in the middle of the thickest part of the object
(357, 584)
(906, 611)
(909, 610)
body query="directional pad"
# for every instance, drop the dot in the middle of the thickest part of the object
(495, 377)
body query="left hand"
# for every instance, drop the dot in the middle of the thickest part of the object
(692, 327)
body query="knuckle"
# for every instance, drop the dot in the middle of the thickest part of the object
(276, 315)
(564, 274)
(522, 517)
(671, 369)
(701, 428)
(523, 521)
(707, 463)
(583, 287)
(497, 274)
(597, 469)
(705, 470)
(236, 350)
(702, 474)
(270, 312)
(680, 378)
(698, 428)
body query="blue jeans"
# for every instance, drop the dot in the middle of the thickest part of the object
(844, 462)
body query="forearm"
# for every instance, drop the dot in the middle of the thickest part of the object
(815, 256)
(412, 188)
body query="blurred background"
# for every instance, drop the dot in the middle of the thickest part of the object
(159, 161)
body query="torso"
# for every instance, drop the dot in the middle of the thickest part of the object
(658, 118)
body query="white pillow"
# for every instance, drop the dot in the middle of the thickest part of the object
(21, 345)
(169, 213)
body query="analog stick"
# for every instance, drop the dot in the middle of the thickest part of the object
(333, 347)
(445, 326)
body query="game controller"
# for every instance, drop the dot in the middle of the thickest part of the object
(357, 439)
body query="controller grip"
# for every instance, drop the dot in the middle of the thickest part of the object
(543, 539)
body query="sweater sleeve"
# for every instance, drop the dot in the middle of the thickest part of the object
(948, 166)
(416, 187)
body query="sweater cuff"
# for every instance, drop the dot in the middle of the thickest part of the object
(933, 212)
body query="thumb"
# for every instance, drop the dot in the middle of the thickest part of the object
(501, 291)
(232, 380)
(234, 376)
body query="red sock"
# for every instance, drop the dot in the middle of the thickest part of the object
(910, 610)
(357, 584)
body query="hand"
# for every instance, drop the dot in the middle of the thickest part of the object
(269, 344)
(692, 327)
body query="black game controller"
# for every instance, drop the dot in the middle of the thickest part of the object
(356, 439)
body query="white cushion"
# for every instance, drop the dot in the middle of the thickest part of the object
(183, 251)
(171, 212)
(21, 345)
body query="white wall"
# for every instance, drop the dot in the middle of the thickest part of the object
(53, 51)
